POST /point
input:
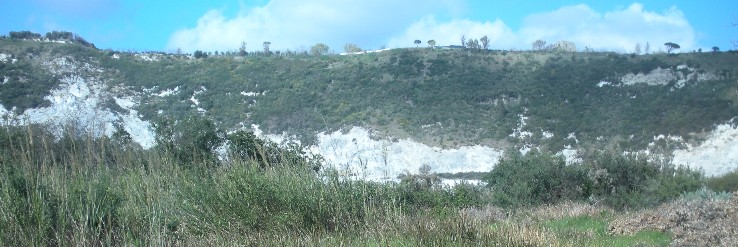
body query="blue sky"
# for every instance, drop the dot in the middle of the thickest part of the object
(221, 25)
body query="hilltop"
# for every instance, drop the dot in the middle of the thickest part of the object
(473, 104)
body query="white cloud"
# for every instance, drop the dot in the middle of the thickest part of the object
(617, 30)
(298, 24)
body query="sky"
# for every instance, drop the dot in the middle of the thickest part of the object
(221, 25)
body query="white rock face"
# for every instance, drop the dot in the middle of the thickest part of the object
(148, 57)
(604, 83)
(662, 77)
(571, 155)
(379, 160)
(78, 103)
(139, 130)
(716, 156)
(519, 132)
(168, 92)
(657, 76)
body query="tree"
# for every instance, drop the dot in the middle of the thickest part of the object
(715, 49)
(735, 42)
(57, 35)
(191, 141)
(485, 42)
(242, 50)
(671, 46)
(637, 49)
(417, 42)
(538, 44)
(24, 35)
(200, 54)
(534, 179)
(351, 48)
(473, 44)
(463, 41)
(266, 47)
(431, 43)
(647, 49)
(319, 49)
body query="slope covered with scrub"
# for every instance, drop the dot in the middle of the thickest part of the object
(446, 97)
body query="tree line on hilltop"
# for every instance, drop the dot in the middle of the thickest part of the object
(52, 36)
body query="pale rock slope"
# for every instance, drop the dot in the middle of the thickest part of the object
(356, 154)
(79, 103)
(715, 156)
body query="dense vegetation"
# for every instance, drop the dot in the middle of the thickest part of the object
(77, 190)
(439, 97)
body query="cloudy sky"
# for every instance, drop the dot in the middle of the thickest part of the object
(221, 25)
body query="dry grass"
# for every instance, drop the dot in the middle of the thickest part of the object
(706, 222)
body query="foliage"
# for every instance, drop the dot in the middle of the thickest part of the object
(266, 47)
(473, 44)
(319, 49)
(242, 49)
(591, 231)
(617, 181)
(466, 98)
(485, 42)
(25, 86)
(247, 147)
(671, 46)
(191, 141)
(200, 54)
(431, 43)
(68, 36)
(24, 35)
(538, 44)
(727, 182)
(80, 191)
(628, 181)
(534, 179)
(705, 194)
(351, 48)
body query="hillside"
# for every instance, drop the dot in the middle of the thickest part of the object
(404, 103)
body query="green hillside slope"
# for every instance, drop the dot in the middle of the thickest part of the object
(439, 97)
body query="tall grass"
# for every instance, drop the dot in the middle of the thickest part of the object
(81, 191)
(74, 190)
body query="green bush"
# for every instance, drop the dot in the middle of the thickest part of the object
(635, 182)
(191, 141)
(618, 181)
(245, 146)
(534, 179)
(727, 182)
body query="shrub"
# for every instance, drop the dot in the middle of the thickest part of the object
(727, 182)
(634, 182)
(534, 179)
(191, 141)
(246, 146)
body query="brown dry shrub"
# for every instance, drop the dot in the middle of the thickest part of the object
(706, 222)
